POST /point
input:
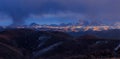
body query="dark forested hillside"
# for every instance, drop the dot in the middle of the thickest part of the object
(32, 44)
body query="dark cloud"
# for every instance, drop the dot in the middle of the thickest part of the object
(91, 9)
(38, 6)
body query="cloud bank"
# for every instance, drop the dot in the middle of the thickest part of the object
(103, 10)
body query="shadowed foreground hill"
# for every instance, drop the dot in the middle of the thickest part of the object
(31, 44)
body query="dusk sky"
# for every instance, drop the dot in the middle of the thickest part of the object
(16, 12)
